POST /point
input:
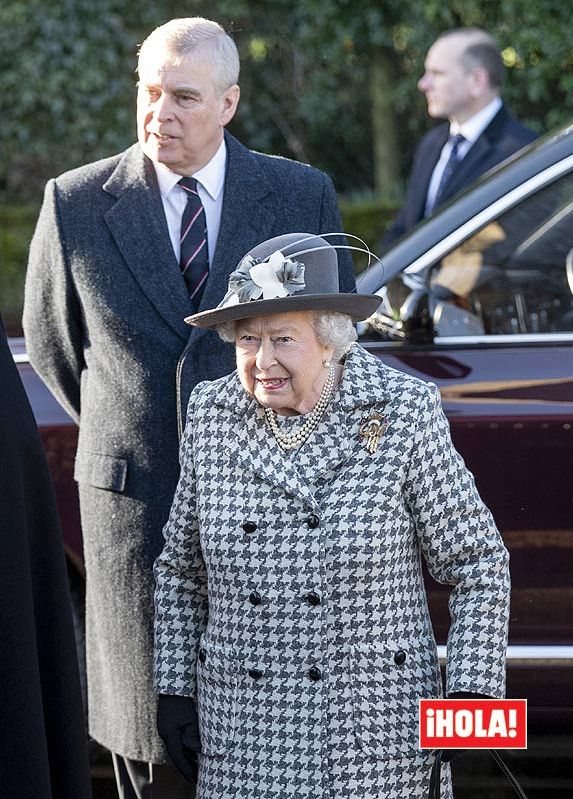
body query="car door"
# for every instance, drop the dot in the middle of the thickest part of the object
(501, 303)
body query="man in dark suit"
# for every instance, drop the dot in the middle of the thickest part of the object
(462, 82)
(121, 254)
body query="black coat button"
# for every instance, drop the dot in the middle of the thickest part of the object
(314, 673)
(256, 674)
(202, 655)
(313, 598)
(313, 521)
(255, 598)
(400, 657)
(249, 527)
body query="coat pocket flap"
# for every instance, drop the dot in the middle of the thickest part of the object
(101, 471)
(217, 698)
(386, 686)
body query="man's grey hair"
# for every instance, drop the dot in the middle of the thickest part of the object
(333, 329)
(481, 51)
(196, 34)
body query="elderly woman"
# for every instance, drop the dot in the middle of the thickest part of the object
(290, 607)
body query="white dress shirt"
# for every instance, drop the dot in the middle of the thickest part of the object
(471, 130)
(210, 185)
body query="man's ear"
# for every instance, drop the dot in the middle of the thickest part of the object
(229, 103)
(479, 83)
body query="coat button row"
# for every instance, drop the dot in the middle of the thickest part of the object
(312, 598)
(313, 673)
(312, 521)
(400, 657)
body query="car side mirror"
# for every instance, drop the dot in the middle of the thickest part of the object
(405, 313)
(416, 316)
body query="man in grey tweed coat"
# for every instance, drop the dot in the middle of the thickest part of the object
(103, 318)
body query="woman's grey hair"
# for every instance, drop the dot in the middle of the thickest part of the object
(333, 329)
(187, 34)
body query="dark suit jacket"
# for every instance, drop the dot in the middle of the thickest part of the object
(502, 137)
(103, 318)
(43, 738)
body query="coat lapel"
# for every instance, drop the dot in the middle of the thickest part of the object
(247, 218)
(253, 449)
(424, 173)
(472, 165)
(468, 167)
(362, 390)
(138, 226)
(335, 441)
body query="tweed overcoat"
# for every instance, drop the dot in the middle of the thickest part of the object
(103, 319)
(290, 599)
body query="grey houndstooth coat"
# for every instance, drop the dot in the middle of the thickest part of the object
(289, 594)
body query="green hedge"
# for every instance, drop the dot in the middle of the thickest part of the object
(16, 229)
(364, 218)
(367, 219)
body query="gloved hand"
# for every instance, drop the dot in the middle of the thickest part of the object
(449, 754)
(178, 727)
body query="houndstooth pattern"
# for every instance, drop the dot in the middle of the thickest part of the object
(269, 730)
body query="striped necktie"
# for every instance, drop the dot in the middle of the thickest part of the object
(453, 159)
(194, 258)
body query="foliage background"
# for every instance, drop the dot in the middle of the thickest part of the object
(331, 82)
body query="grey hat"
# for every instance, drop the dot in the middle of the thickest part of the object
(294, 272)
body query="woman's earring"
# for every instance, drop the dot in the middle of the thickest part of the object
(326, 363)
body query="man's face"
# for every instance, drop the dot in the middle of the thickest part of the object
(180, 113)
(450, 89)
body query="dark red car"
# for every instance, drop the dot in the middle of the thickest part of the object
(479, 300)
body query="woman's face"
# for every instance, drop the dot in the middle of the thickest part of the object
(280, 361)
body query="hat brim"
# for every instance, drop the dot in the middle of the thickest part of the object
(357, 306)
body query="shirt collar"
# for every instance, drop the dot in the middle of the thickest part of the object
(211, 176)
(473, 127)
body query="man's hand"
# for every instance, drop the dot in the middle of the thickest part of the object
(178, 727)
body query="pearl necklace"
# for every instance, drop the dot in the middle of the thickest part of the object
(290, 441)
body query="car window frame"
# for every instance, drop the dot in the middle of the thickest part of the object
(493, 211)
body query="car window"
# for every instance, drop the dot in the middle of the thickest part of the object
(515, 274)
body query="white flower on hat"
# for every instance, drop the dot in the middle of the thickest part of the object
(270, 279)
(266, 276)
(278, 276)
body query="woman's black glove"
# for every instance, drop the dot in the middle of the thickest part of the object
(178, 727)
(449, 754)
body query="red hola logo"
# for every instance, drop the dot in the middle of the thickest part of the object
(473, 724)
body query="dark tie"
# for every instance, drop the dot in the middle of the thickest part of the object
(457, 141)
(194, 258)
